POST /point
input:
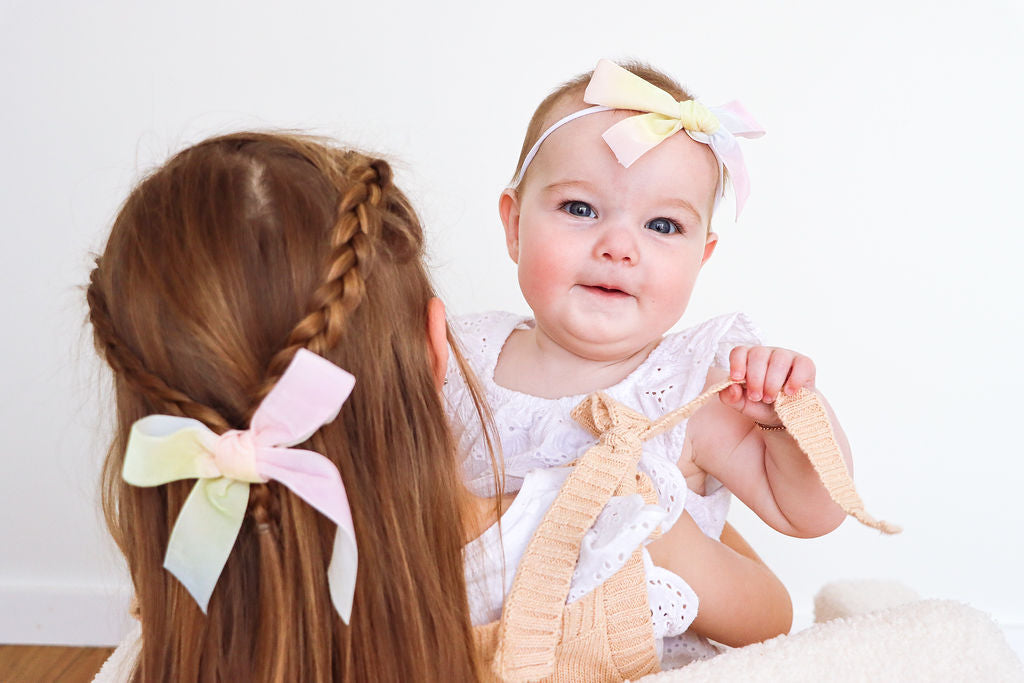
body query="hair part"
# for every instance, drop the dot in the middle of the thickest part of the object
(220, 266)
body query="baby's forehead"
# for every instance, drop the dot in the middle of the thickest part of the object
(576, 155)
(570, 103)
(579, 141)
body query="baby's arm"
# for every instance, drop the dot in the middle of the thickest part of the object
(765, 468)
(741, 600)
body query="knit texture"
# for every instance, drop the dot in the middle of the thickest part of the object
(805, 417)
(539, 637)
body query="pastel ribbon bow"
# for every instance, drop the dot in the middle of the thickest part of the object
(163, 448)
(615, 87)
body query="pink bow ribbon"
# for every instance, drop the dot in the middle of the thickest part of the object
(163, 448)
(614, 87)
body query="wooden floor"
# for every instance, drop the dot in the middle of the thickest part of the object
(46, 663)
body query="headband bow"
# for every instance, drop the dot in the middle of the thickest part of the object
(163, 448)
(617, 88)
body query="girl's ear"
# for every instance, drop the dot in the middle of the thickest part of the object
(437, 340)
(508, 207)
(709, 247)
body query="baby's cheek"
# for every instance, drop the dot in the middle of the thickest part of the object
(548, 265)
(538, 277)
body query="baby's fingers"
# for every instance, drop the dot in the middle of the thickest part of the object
(802, 375)
(732, 396)
(778, 370)
(757, 368)
(738, 362)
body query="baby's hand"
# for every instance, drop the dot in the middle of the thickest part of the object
(767, 370)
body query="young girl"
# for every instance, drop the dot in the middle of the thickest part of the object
(608, 219)
(237, 279)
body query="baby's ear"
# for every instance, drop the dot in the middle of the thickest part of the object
(437, 340)
(709, 247)
(508, 207)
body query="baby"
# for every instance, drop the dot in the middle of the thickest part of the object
(608, 220)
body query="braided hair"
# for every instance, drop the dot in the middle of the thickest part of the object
(220, 266)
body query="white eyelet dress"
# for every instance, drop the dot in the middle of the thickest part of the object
(539, 437)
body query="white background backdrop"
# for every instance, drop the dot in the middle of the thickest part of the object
(882, 237)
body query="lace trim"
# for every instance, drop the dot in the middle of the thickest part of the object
(673, 603)
(623, 525)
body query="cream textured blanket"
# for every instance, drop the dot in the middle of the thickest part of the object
(919, 640)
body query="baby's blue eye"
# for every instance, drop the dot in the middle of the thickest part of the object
(579, 209)
(663, 225)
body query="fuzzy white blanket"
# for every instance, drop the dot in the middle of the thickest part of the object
(910, 640)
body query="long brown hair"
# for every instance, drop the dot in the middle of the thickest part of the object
(220, 266)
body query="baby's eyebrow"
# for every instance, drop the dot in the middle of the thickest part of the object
(569, 185)
(680, 203)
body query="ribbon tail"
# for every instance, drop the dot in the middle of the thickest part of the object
(631, 138)
(310, 476)
(341, 573)
(727, 149)
(737, 120)
(204, 534)
(316, 480)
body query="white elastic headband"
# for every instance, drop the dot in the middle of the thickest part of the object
(554, 126)
(660, 117)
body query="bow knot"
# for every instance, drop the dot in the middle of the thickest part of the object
(695, 116)
(612, 87)
(234, 456)
(164, 448)
(626, 440)
(616, 424)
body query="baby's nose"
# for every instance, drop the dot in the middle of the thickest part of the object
(617, 243)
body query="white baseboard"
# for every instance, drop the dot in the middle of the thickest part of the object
(62, 614)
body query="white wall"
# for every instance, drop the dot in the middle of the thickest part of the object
(882, 236)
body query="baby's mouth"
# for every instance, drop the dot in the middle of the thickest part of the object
(606, 291)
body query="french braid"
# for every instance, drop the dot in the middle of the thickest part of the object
(263, 504)
(342, 290)
(127, 366)
(358, 224)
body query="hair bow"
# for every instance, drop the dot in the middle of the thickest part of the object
(617, 88)
(163, 448)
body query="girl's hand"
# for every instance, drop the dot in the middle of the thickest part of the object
(767, 371)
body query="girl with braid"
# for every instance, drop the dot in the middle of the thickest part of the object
(241, 283)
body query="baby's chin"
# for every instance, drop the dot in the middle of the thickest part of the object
(605, 343)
